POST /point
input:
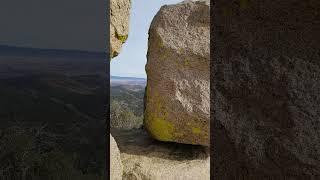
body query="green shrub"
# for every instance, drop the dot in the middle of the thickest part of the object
(123, 118)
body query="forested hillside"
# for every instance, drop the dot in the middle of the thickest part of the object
(126, 103)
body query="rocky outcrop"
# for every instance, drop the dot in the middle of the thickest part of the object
(119, 24)
(119, 29)
(266, 90)
(147, 159)
(177, 98)
(116, 168)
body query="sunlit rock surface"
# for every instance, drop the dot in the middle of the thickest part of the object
(144, 158)
(119, 24)
(177, 102)
(115, 161)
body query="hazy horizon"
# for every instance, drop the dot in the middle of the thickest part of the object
(112, 76)
(41, 48)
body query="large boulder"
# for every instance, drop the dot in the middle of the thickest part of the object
(177, 101)
(266, 75)
(116, 167)
(147, 159)
(119, 24)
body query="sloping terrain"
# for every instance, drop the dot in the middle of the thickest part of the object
(55, 104)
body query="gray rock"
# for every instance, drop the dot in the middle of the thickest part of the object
(116, 167)
(119, 29)
(119, 24)
(147, 159)
(266, 90)
(177, 99)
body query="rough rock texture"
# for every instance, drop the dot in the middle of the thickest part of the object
(119, 24)
(266, 81)
(116, 168)
(147, 159)
(177, 98)
(119, 30)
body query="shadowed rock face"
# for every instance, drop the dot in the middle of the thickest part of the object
(266, 90)
(177, 99)
(147, 159)
(119, 24)
(115, 161)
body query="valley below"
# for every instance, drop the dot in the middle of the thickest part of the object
(126, 102)
(52, 114)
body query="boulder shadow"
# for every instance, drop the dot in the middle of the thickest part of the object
(138, 142)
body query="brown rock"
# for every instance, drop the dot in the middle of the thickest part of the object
(119, 24)
(177, 93)
(266, 90)
(147, 159)
(116, 167)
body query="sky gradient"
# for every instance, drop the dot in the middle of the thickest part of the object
(132, 59)
(53, 24)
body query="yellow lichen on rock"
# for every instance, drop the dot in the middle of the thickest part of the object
(161, 129)
(157, 123)
(196, 130)
(178, 71)
(119, 25)
(122, 38)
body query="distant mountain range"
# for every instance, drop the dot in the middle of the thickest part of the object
(17, 61)
(25, 59)
(127, 78)
(117, 80)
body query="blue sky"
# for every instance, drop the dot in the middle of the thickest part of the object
(132, 59)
